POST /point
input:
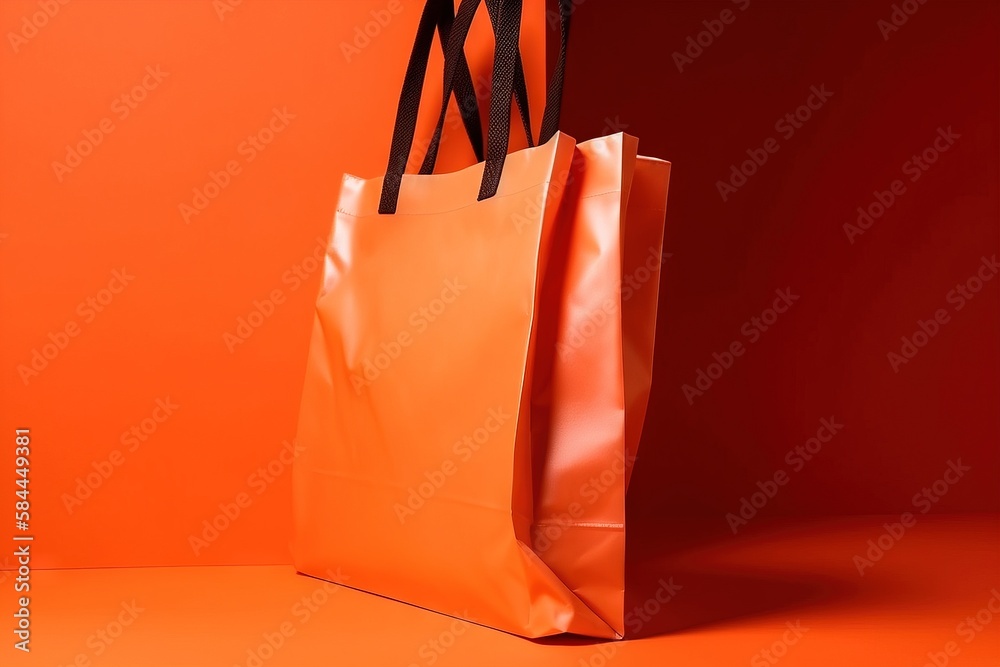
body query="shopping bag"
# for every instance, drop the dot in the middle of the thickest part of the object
(433, 454)
(593, 365)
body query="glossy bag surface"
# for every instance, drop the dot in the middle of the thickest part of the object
(594, 365)
(415, 478)
(477, 378)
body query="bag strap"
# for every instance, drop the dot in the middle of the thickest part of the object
(553, 100)
(508, 32)
(442, 14)
(508, 35)
(471, 101)
(406, 109)
(465, 89)
(507, 23)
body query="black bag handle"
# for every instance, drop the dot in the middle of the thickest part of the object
(506, 57)
(413, 81)
(435, 13)
(464, 88)
(442, 13)
(508, 32)
(520, 98)
(553, 100)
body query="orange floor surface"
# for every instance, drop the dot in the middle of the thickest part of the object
(779, 593)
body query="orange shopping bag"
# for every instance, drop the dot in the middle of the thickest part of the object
(446, 427)
(593, 366)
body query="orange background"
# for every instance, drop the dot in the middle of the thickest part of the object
(162, 337)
